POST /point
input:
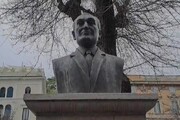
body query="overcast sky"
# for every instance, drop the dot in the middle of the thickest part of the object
(9, 56)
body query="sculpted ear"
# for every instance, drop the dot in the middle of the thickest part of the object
(73, 35)
(100, 34)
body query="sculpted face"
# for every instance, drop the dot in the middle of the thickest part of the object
(86, 30)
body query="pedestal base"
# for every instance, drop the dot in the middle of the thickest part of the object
(90, 106)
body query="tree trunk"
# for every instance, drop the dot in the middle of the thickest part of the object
(105, 13)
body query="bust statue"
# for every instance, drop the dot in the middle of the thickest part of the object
(88, 69)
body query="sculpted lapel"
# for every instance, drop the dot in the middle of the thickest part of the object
(81, 62)
(95, 68)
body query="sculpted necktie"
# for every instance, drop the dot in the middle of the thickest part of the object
(89, 58)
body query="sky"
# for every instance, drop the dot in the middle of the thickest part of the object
(9, 56)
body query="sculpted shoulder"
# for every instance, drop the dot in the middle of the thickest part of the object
(61, 61)
(116, 59)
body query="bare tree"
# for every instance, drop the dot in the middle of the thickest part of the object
(137, 30)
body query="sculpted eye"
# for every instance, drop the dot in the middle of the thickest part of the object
(91, 21)
(80, 22)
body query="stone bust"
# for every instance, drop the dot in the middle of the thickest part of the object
(88, 69)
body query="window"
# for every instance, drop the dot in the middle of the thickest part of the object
(2, 92)
(10, 92)
(7, 112)
(157, 108)
(174, 107)
(27, 90)
(1, 111)
(172, 90)
(133, 88)
(25, 114)
(155, 89)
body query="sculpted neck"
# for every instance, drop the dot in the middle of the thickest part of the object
(83, 50)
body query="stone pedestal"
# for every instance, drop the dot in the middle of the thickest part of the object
(90, 106)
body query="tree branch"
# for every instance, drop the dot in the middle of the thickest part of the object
(71, 8)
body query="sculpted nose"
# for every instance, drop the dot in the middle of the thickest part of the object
(86, 25)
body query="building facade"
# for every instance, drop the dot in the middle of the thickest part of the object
(168, 89)
(14, 83)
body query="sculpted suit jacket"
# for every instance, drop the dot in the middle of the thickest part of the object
(72, 74)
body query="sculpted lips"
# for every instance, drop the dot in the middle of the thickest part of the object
(86, 31)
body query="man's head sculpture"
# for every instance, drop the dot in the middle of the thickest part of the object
(86, 29)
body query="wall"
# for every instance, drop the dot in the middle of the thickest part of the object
(168, 89)
(20, 82)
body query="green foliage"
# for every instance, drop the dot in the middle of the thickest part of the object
(51, 87)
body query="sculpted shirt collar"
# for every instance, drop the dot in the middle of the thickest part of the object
(83, 51)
